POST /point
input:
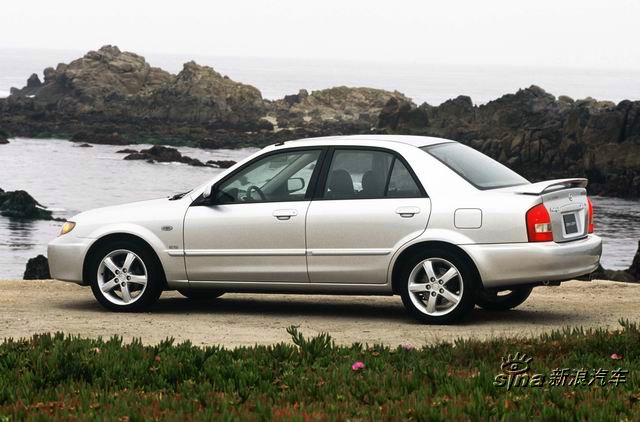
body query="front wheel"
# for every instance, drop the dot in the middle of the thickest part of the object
(438, 287)
(492, 300)
(126, 276)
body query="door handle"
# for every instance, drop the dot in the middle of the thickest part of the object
(407, 212)
(284, 214)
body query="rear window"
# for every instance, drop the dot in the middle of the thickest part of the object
(475, 167)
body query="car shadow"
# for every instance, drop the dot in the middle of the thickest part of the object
(358, 308)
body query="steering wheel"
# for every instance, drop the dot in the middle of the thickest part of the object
(251, 189)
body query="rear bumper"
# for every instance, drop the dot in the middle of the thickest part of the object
(66, 257)
(522, 263)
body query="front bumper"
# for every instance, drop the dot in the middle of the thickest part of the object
(522, 263)
(66, 257)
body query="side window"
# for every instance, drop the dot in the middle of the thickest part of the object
(401, 183)
(356, 174)
(278, 177)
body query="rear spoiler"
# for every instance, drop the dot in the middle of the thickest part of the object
(550, 186)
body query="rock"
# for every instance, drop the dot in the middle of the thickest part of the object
(337, 105)
(3, 137)
(630, 275)
(113, 138)
(126, 151)
(296, 98)
(37, 269)
(223, 164)
(634, 269)
(111, 86)
(85, 146)
(96, 82)
(162, 154)
(33, 81)
(138, 156)
(200, 94)
(537, 135)
(21, 205)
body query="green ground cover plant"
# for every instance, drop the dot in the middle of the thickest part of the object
(61, 376)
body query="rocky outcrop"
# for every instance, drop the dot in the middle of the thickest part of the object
(199, 94)
(99, 136)
(102, 81)
(162, 154)
(333, 106)
(630, 275)
(3, 137)
(109, 87)
(538, 135)
(37, 269)
(20, 205)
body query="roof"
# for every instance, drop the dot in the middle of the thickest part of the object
(416, 141)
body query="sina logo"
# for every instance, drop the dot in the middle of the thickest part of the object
(515, 373)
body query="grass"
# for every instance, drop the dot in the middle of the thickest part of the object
(312, 379)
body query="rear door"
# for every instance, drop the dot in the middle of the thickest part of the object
(368, 204)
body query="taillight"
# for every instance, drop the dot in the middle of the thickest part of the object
(539, 224)
(590, 227)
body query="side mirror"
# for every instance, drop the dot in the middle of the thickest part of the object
(295, 184)
(209, 192)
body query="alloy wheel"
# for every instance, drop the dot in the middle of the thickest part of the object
(435, 286)
(122, 277)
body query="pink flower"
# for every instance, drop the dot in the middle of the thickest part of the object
(408, 346)
(357, 366)
(616, 356)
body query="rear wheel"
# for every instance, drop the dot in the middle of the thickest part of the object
(438, 287)
(125, 276)
(200, 294)
(493, 300)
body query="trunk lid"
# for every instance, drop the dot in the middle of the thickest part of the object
(566, 202)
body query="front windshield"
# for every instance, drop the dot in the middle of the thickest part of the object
(476, 168)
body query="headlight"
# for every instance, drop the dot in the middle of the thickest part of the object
(67, 227)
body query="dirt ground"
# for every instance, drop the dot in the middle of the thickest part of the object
(30, 307)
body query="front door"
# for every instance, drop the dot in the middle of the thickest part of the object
(253, 229)
(371, 204)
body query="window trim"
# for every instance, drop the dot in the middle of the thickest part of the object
(308, 194)
(326, 165)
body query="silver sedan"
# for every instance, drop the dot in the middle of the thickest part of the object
(434, 221)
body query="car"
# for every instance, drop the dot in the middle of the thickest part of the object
(436, 222)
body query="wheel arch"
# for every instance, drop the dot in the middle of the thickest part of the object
(414, 248)
(113, 237)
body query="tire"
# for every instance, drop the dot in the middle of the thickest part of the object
(494, 301)
(200, 294)
(143, 266)
(461, 285)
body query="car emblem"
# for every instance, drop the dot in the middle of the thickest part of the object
(570, 197)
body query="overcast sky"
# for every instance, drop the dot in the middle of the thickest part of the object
(555, 33)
